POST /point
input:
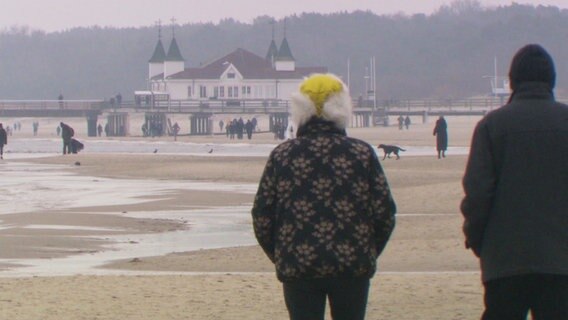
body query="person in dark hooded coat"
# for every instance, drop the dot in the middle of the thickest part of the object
(3, 140)
(441, 133)
(66, 134)
(516, 201)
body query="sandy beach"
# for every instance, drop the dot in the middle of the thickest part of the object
(424, 273)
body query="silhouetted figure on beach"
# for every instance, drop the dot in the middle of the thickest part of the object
(35, 127)
(233, 129)
(66, 134)
(228, 129)
(441, 133)
(407, 122)
(175, 129)
(240, 128)
(3, 140)
(144, 129)
(248, 129)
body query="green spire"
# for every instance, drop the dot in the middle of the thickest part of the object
(284, 54)
(173, 52)
(159, 53)
(272, 51)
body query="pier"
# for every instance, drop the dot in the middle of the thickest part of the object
(200, 112)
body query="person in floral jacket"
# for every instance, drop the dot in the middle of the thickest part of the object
(323, 212)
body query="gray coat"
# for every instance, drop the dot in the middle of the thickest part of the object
(516, 187)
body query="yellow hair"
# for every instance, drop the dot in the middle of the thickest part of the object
(319, 87)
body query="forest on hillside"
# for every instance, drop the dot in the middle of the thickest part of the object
(448, 54)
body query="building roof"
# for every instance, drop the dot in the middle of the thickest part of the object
(159, 53)
(173, 52)
(285, 54)
(249, 65)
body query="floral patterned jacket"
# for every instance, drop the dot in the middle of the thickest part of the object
(323, 208)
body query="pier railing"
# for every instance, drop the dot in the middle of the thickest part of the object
(433, 106)
(50, 104)
(50, 108)
(210, 106)
(71, 108)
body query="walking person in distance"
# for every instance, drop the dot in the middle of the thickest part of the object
(66, 134)
(3, 140)
(441, 133)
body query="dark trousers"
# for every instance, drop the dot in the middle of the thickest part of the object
(511, 298)
(66, 146)
(305, 299)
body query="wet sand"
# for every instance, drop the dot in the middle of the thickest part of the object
(424, 273)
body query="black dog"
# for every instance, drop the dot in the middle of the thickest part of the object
(388, 149)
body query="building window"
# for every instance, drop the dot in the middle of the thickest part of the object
(221, 92)
(189, 92)
(236, 92)
(215, 92)
(230, 92)
(246, 93)
(202, 91)
(231, 75)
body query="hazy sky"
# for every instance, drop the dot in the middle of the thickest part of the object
(56, 15)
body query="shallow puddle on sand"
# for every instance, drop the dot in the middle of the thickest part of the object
(29, 188)
(209, 229)
(68, 227)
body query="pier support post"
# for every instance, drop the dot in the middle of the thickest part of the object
(92, 124)
(200, 124)
(117, 124)
(154, 124)
(278, 122)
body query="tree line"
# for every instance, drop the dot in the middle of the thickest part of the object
(447, 54)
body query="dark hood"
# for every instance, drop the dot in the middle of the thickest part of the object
(532, 64)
